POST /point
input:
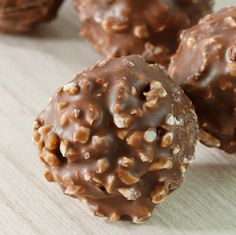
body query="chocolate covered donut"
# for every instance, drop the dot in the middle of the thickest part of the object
(146, 27)
(22, 15)
(119, 137)
(205, 67)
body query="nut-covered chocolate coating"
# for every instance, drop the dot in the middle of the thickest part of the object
(119, 136)
(146, 27)
(205, 66)
(20, 16)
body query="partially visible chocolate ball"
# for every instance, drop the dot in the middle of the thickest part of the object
(146, 27)
(22, 15)
(119, 136)
(205, 67)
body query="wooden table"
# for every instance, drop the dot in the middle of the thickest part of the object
(31, 68)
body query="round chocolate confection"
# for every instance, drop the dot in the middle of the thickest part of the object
(146, 27)
(22, 15)
(119, 136)
(205, 66)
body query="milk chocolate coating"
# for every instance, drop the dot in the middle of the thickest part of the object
(205, 66)
(119, 137)
(146, 27)
(20, 16)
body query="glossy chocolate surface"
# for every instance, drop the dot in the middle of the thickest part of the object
(119, 137)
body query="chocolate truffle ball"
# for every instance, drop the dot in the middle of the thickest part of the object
(146, 27)
(119, 137)
(205, 66)
(22, 15)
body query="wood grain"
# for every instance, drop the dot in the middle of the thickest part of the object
(31, 68)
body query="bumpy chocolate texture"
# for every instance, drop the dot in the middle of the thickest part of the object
(22, 15)
(119, 136)
(147, 27)
(205, 66)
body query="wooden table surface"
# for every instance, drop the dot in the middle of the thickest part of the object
(31, 68)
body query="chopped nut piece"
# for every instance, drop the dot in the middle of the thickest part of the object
(231, 21)
(191, 41)
(99, 140)
(146, 157)
(110, 183)
(144, 215)
(134, 112)
(141, 31)
(99, 213)
(117, 108)
(122, 134)
(126, 162)
(76, 113)
(135, 139)
(86, 155)
(130, 193)
(151, 103)
(231, 53)
(114, 217)
(133, 91)
(176, 150)
(87, 176)
(74, 190)
(81, 135)
(182, 168)
(71, 88)
(103, 165)
(52, 142)
(40, 145)
(64, 147)
(161, 163)
(48, 176)
(158, 194)
(225, 85)
(64, 120)
(122, 121)
(44, 130)
(67, 180)
(208, 139)
(50, 158)
(127, 178)
(97, 180)
(61, 106)
(37, 124)
(36, 137)
(92, 115)
(232, 68)
(111, 25)
(150, 135)
(173, 121)
(159, 87)
(166, 140)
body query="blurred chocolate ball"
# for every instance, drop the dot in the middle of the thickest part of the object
(23, 15)
(146, 27)
(205, 67)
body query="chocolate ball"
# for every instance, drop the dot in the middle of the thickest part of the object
(119, 137)
(146, 27)
(205, 67)
(21, 16)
